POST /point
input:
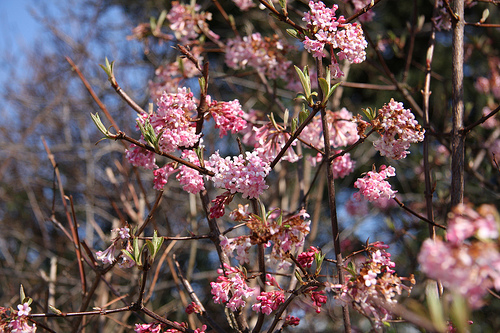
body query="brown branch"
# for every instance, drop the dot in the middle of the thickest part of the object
(412, 212)
(363, 11)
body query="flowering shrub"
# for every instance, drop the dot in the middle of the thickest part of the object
(243, 153)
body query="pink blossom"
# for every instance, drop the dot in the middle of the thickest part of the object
(20, 325)
(328, 29)
(23, 309)
(141, 157)
(371, 278)
(244, 5)
(187, 22)
(319, 298)
(190, 179)
(147, 328)
(306, 258)
(244, 174)
(341, 126)
(228, 116)
(291, 321)
(193, 308)
(398, 129)
(172, 119)
(172, 75)
(161, 176)
(107, 256)
(359, 5)
(373, 185)
(471, 267)
(233, 284)
(219, 205)
(342, 165)
(266, 54)
(270, 141)
(268, 301)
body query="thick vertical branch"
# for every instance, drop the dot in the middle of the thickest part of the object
(458, 135)
(331, 199)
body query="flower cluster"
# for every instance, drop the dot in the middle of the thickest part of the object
(341, 126)
(285, 233)
(492, 84)
(270, 139)
(342, 165)
(190, 179)
(327, 29)
(244, 5)
(398, 129)
(170, 76)
(374, 278)
(245, 174)
(268, 301)
(469, 263)
(108, 256)
(241, 244)
(231, 288)
(187, 22)
(228, 116)
(16, 321)
(360, 4)
(306, 258)
(374, 187)
(266, 54)
(141, 157)
(172, 120)
(160, 328)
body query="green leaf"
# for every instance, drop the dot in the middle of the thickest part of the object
(55, 310)
(97, 121)
(435, 306)
(298, 276)
(303, 115)
(294, 33)
(332, 89)
(202, 83)
(22, 295)
(305, 80)
(162, 17)
(137, 252)
(285, 117)
(128, 254)
(295, 122)
(325, 89)
(351, 268)
(108, 67)
(283, 4)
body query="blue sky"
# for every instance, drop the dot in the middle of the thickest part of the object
(18, 30)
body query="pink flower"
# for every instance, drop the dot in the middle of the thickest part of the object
(327, 29)
(187, 22)
(270, 141)
(233, 284)
(269, 301)
(172, 119)
(147, 328)
(228, 116)
(266, 54)
(141, 157)
(161, 176)
(306, 258)
(23, 309)
(193, 308)
(343, 130)
(291, 321)
(373, 185)
(342, 165)
(318, 299)
(244, 5)
(244, 174)
(190, 179)
(107, 256)
(398, 130)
